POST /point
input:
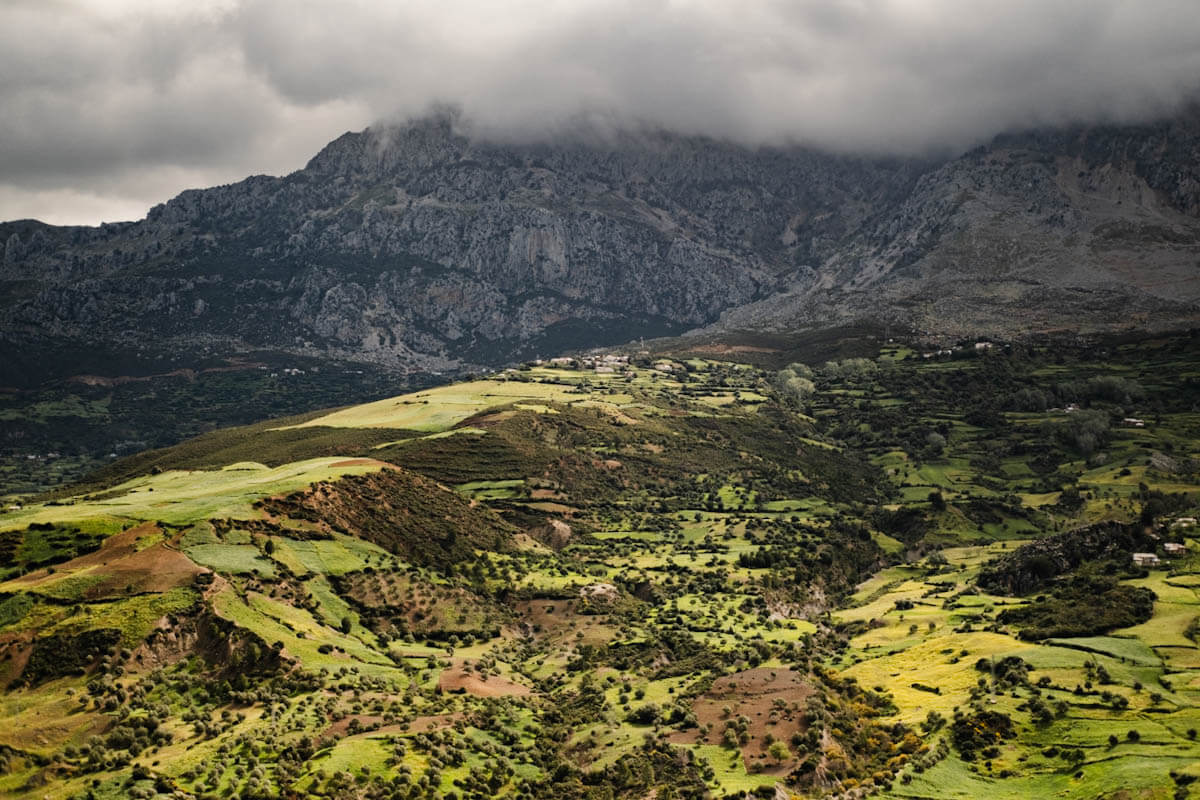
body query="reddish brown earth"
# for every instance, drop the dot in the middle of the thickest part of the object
(752, 694)
(422, 724)
(155, 569)
(122, 568)
(489, 419)
(456, 679)
(116, 546)
(358, 462)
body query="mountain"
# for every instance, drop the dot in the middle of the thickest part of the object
(1089, 228)
(417, 247)
(423, 248)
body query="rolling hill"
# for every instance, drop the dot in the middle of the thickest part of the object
(648, 575)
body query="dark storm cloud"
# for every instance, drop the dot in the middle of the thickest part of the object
(111, 105)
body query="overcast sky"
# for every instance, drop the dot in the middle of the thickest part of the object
(110, 106)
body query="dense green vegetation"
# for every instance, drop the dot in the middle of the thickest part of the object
(43, 544)
(59, 428)
(1082, 607)
(677, 577)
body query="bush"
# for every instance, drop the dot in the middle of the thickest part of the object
(980, 731)
(1082, 607)
(644, 715)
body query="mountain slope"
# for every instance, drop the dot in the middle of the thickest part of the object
(421, 248)
(1081, 229)
(417, 247)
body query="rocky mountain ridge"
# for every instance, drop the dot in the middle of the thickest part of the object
(420, 247)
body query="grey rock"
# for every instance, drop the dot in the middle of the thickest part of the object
(421, 248)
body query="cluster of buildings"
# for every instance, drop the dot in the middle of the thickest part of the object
(608, 362)
(979, 347)
(602, 363)
(1170, 549)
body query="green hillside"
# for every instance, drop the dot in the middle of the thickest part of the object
(677, 577)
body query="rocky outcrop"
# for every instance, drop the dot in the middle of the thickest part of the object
(1034, 566)
(1089, 228)
(419, 247)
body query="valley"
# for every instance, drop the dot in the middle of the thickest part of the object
(410, 254)
(895, 571)
(92, 411)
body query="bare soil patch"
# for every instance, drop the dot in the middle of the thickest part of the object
(456, 679)
(359, 462)
(121, 568)
(771, 699)
(156, 569)
(560, 618)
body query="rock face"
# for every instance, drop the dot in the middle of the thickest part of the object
(1087, 228)
(420, 247)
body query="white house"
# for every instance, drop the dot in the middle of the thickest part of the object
(1145, 560)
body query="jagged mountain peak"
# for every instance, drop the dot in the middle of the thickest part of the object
(427, 245)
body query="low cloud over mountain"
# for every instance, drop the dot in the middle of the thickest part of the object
(110, 105)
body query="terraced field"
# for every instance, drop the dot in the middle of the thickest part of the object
(683, 578)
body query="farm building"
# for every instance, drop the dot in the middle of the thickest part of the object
(1145, 560)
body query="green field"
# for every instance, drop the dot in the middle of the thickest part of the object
(184, 497)
(438, 409)
(913, 578)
